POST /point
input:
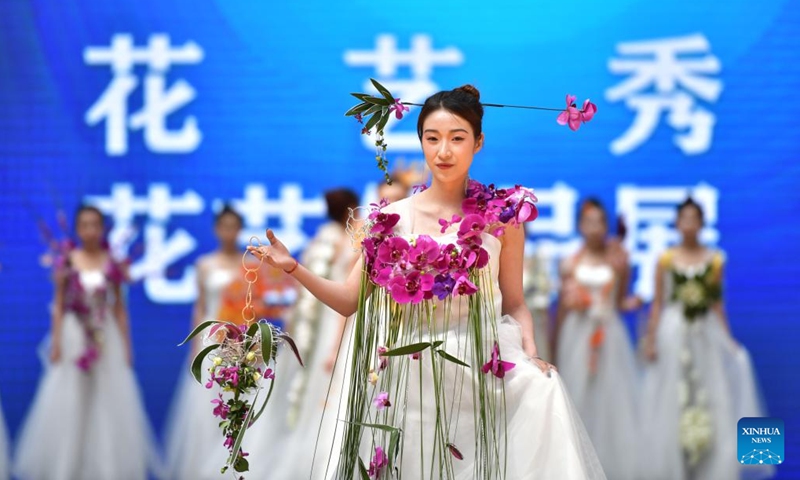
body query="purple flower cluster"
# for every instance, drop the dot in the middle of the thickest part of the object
(422, 268)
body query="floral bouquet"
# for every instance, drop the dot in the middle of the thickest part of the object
(696, 292)
(241, 359)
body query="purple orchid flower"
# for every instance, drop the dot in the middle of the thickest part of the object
(378, 463)
(393, 250)
(398, 108)
(381, 401)
(410, 288)
(424, 251)
(443, 285)
(384, 223)
(464, 287)
(497, 366)
(221, 410)
(471, 226)
(384, 361)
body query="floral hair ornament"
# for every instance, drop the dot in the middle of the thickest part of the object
(240, 357)
(378, 109)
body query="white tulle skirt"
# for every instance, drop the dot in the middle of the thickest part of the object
(4, 457)
(194, 441)
(722, 370)
(546, 438)
(608, 398)
(317, 425)
(87, 425)
(267, 440)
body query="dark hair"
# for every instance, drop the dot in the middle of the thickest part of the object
(83, 208)
(592, 202)
(688, 203)
(228, 210)
(340, 201)
(463, 101)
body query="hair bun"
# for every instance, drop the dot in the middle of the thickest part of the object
(471, 90)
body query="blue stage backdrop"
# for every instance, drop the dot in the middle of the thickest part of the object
(157, 112)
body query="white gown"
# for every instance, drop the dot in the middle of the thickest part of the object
(603, 382)
(194, 440)
(4, 457)
(305, 401)
(87, 425)
(702, 355)
(545, 436)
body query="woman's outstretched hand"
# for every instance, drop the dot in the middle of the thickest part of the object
(276, 254)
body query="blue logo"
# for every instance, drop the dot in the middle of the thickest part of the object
(761, 441)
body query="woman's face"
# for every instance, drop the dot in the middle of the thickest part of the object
(227, 229)
(689, 222)
(89, 227)
(593, 225)
(449, 143)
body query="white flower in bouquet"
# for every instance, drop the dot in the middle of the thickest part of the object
(692, 293)
(696, 432)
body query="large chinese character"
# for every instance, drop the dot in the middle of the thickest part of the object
(650, 214)
(387, 59)
(290, 209)
(667, 76)
(160, 249)
(159, 101)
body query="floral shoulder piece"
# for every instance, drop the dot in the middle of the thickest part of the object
(421, 268)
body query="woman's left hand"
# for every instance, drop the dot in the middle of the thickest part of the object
(545, 367)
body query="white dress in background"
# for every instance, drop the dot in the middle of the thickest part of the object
(4, 457)
(194, 440)
(87, 424)
(284, 439)
(700, 369)
(598, 366)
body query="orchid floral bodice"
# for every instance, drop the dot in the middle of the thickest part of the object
(415, 267)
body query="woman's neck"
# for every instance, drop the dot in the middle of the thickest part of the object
(447, 194)
(691, 244)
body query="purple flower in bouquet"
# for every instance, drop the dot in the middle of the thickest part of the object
(410, 288)
(381, 401)
(455, 452)
(221, 410)
(381, 276)
(424, 251)
(443, 285)
(384, 361)
(379, 461)
(228, 442)
(471, 227)
(445, 224)
(495, 365)
(474, 254)
(393, 250)
(464, 287)
(89, 357)
(269, 374)
(384, 223)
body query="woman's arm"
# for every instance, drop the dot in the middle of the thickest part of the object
(510, 279)
(57, 318)
(121, 316)
(341, 297)
(655, 312)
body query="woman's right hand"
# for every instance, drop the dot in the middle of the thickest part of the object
(649, 347)
(276, 254)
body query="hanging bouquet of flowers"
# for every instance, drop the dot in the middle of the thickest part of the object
(697, 292)
(240, 358)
